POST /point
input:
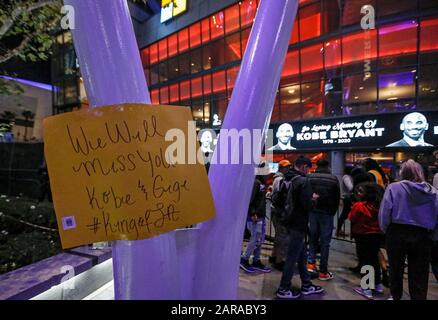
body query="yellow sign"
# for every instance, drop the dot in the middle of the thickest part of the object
(172, 8)
(112, 179)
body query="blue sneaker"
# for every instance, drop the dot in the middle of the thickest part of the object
(257, 265)
(244, 264)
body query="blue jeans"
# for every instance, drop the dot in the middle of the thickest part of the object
(296, 255)
(257, 230)
(320, 231)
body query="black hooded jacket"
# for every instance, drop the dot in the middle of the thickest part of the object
(327, 187)
(257, 204)
(302, 200)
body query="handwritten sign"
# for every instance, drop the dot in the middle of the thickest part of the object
(111, 178)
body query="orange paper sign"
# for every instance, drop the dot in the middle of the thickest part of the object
(112, 179)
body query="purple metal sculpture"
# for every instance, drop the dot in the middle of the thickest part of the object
(220, 240)
(111, 67)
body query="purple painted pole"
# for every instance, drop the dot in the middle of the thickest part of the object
(250, 107)
(112, 71)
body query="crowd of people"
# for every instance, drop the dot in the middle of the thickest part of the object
(394, 224)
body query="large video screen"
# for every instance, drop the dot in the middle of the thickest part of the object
(386, 131)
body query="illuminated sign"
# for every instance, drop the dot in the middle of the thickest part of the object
(389, 131)
(172, 8)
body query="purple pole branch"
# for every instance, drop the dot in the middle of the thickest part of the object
(220, 239)
(112, 71)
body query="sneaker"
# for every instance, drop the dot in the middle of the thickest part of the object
(312, 289)
(257, 265)
(288, 294)
(367, 293)
(379, 288)
(244, 264)
(311, 267)
(390, 298)
(325, 276)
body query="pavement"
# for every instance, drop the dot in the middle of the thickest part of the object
(262, 286)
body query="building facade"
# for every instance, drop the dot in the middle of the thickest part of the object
(333, 66)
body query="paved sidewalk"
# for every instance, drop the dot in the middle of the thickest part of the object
(262, 286)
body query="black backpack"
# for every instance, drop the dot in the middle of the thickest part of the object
(285, 208)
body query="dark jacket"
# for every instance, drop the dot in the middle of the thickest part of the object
(257, 204)
(302, 200)
(327, 187)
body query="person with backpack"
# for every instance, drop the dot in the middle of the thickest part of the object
(321, 218)
(295, 217)
(256, 224)
(281, 239)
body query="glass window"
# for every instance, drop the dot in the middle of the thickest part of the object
(428, 4)
(359, 47)
(183, 40)
(163, 72)
(331, 15)
(173, 44)
(398, 39)
(145, 57)
(332, 53)
(333, 97)
(232, 19)
(147, 75)
(173, 68)
(428, 87)
(196, 60)
(276, 116)
(290, 101)
(154, 53)
(184, 64)
(164, 95)
(248, 9)
(291, 65)
(195, 35)
(154, 97)
(206, 80)
(245, 37)
(310, 21)
(429, 41)
(213, 54)
(231, 78)
(232, 48)
(388, 7)
(162, 49)
(217, 25)
(359, 93)
(184, 89)
(197, 111)
(312, 99)
(174, 93)
(219, 107)
(294, 36)
(154, 71)
(311, 58)
(205, 27)
(351, 10)
(396, 90)
(219, 81)
(196, 87)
